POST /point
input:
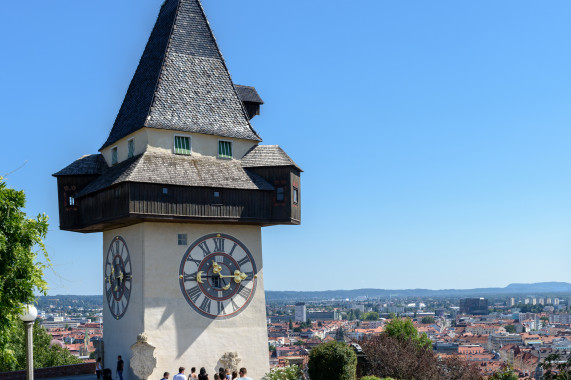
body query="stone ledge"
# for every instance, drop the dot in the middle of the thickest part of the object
(51, 372)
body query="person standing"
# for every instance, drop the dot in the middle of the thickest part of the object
(228, 374)
(203, 375)
(243, 373)
(180, 374)
(98, 368)
(193, 374)
(119, 369)
(165, 376)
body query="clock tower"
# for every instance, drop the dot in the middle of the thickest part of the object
(181, 189)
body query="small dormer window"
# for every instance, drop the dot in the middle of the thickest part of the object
(131, 148)
(224, 149)
(182, 145)
(114, 158)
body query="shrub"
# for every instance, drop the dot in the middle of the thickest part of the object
(290, 372)
(332, 361)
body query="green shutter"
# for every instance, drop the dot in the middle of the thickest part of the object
(182, 145)
(225, 149)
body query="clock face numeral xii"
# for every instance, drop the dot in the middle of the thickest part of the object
(218, 276)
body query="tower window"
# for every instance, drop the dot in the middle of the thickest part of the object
(224, 149)
(71, 201)
(295, 196)
(182, 145)
(216, 199)
(165, 190)
(181, 239)
(131, 148)
(114, 158)
(280, 194)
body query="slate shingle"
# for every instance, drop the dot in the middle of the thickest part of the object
(248, 94)
(91, 164)
(267, 155)
(169, 169)
(182, 82)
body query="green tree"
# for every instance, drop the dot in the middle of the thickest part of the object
(403, 329)
(505, 374)
(510, 328)
(427, 320)
(290, 325)
(556, 368)
(332, 361)
(45, 354)
(370, 316)
(21, 275)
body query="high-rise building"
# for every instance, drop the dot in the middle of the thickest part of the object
(474, 306)
(511, 301)
(300, 312)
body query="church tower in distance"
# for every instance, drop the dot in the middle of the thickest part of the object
(180, 190)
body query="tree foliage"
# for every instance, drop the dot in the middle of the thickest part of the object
(21, 275)
(370, 316)
(556, 368)
(510, 328)
(404, 330)
(332, 361)
(45, 354)
(290, 372)
(398, 358)
(504, 374)
(427, 320)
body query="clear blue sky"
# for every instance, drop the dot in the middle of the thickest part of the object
(434, 135)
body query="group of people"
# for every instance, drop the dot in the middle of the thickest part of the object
(223, 374)
(119, 370)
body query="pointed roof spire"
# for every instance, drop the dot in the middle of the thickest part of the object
(182, 82)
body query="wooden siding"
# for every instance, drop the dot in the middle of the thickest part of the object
(69, 186)
(129, 203)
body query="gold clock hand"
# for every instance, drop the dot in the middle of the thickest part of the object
(216, 268)
(237, 276)
(120, 277)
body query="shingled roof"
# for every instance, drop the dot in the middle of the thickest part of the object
(91, 164)
(170, 169)
(248, 94)
(182, 82)
(267, 155)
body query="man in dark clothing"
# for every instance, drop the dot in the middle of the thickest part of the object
(119, 367)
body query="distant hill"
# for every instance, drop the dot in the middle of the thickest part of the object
(539, 288)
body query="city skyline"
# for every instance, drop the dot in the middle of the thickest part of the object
(434, 139)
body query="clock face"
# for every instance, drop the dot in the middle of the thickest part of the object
(118, 277)
(218, 276)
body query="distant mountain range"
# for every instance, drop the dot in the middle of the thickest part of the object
(540, 288)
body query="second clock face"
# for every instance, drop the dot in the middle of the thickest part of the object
(218, 276)
(118, 277)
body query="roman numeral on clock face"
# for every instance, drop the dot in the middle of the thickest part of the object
(189, 277)
(221, 308)
(233, 248)
(204, 248)
(109, 293)
(205, 305)
(243, 292)
(194, 293)
(218, 244)
(234, 305)
(244, 260)
(197, 262)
